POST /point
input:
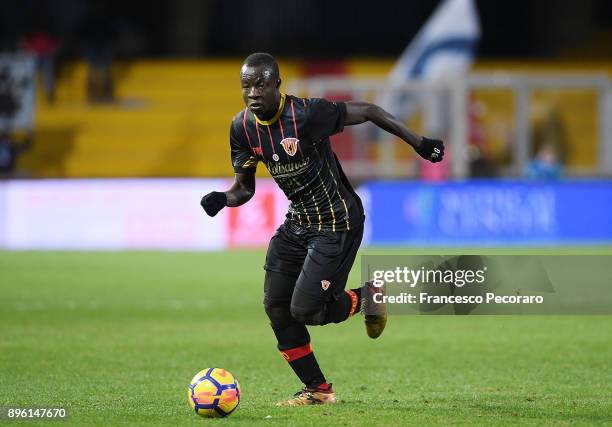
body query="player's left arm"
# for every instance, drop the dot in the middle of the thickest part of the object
(361, 112)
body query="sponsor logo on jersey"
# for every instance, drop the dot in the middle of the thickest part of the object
(325, 284)
(277, 169)
(290, 145)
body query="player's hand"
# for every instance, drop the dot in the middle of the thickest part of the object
(214, 202)
(431, 149)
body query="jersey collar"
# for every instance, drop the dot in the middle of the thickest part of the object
(276, 116)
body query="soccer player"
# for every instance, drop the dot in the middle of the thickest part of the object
(310, 256)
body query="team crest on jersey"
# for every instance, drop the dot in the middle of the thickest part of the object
(290, 145)
(325, 284)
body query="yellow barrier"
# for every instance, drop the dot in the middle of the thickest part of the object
(171, 118)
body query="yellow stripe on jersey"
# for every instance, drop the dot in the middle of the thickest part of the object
(331, 208)
(348, 224)
(302, 203)
(305, 212)
(316, 207)
(276, 116)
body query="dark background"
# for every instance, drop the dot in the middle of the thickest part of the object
(292, 28)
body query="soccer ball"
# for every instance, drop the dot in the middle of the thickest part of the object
(214, 393)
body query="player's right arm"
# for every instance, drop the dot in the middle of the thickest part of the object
(245, 165)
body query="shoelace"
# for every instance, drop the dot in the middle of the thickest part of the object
(306, 390)
(306, 394)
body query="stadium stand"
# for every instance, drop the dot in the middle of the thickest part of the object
(171, 118)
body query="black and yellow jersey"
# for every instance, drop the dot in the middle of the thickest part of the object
(295, 147)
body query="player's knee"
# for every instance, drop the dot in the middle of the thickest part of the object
(277, 313)
(313, 315)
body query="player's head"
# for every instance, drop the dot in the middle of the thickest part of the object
(260, 80)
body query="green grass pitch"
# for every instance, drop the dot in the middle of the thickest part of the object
(116, 338)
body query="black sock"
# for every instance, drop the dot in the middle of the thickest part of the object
(308, 371)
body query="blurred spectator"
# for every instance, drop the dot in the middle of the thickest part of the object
(98, 36)
(480, 165)
(10, 149)
(546, 164)
(44, 46)
(9, 104)
(549, 141)
(479, 162)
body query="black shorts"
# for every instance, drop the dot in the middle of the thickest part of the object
(316, 262)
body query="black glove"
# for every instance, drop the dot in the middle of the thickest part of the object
(431, 149)
(214, 202)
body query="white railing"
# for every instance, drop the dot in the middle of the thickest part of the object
(444, 108)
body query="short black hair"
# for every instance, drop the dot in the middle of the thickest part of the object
(262, 58)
